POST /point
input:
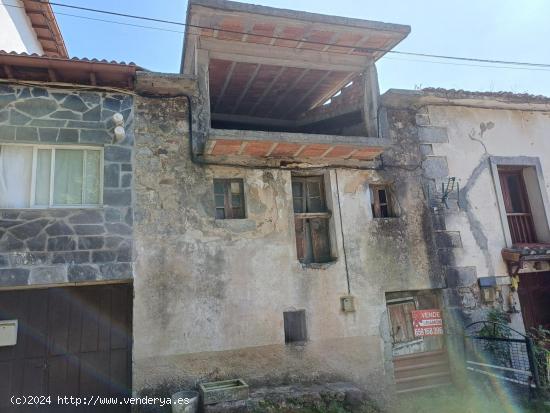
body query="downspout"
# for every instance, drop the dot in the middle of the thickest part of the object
(342, 230)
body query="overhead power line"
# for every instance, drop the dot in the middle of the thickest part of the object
(404, 59)
(417, 54)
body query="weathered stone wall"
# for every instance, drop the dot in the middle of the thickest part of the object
(51, 246)
(210, 294)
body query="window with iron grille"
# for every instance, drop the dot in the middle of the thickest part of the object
(311, 219)
(229, 198)
(295, 326)
(381, 202)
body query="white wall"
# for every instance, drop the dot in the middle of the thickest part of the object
(515, 133)
(16, 32)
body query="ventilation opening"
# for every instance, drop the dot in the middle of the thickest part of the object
(295, 326)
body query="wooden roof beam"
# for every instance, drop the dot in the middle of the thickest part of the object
(267, 90)
(306, 95)
(224, 87)
(253, 120)
(331, 41)
(333, 91)
(246, 88)
(289, 90)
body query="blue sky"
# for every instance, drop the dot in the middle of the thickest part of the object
(501, 30)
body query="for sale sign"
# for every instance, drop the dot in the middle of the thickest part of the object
(427, 323)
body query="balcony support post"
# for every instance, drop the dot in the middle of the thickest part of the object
(371, 95)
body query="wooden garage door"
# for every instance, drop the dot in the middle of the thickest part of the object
(71, 341)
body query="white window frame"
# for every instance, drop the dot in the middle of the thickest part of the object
(52, 173)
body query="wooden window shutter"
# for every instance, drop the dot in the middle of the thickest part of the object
(311, 219)
(320, 240)
(300, 238)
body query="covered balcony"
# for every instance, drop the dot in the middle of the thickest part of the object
(286, 87)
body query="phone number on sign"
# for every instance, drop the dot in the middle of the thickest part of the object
(428, 331)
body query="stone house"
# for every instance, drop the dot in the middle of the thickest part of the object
(66, 216)
(264, 214)
(275, 226)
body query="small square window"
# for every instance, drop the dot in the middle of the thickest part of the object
(381, 202)
(295, 326)
(229, 198)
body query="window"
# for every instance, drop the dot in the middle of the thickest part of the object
(311, 219)
(50, 176)
(295, 326)
(381, 202)
(516, 203)
(229, 198)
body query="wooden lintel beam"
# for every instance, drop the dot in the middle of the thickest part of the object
(307, 215)
(225, 83)
(245, 90)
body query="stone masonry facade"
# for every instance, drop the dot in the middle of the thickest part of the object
(60, 245)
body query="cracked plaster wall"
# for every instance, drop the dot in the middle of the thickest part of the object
(474, 135)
